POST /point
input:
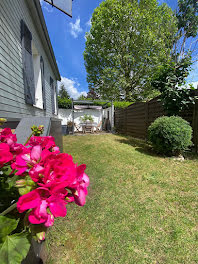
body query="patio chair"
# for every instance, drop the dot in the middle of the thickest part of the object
(77, 127)
(98, 126)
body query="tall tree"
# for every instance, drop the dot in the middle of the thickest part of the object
(92, 94)
(127, 42)
(171, 78)
(187, 20)
(82, 98)
(63, 93)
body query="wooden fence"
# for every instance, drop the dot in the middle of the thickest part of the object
(136, 118)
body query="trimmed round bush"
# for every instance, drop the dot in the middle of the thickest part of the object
(170, 135)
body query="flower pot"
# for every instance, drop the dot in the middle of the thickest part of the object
(37, 253)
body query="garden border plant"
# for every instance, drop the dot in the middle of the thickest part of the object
(170, 135)
(38, 182)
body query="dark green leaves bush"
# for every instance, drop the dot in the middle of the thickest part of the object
(64, 103)
(67, 103)
(170, 135)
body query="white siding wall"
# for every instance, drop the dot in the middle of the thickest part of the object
(66, 115)
(12, 99)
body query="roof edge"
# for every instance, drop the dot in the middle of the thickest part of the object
(46, 34)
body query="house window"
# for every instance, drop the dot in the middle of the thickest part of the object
(53, 97)
(55, 101)
(37, 77)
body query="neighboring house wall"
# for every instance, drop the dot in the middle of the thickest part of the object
(109, 113)
(12, 98)
(66, 115)
(98, 115)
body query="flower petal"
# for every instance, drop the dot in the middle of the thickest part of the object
(57, 206)
(36, 153)
(28, 201)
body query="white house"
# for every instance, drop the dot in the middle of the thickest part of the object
(28, 72)
(28, 69)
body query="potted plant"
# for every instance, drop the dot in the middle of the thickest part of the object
(36, 197)
(90, 119)
(87, 119)
(70, 126)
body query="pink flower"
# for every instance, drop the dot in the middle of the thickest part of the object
(81, 190)
(36, 172)
(5, 154)
(29, 200)
(26, 161)
(6, 136)
(59, 169)
(79, 185)
(45, 142)
(45, 206)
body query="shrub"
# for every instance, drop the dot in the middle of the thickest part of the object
(170, 135)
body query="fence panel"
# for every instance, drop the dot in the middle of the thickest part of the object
(136, 118)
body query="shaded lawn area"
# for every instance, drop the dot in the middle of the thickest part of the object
(141, 208)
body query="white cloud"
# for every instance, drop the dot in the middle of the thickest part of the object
(194, 84)
(71, 85)
(89, 23)
(75, 28)
(88, 26)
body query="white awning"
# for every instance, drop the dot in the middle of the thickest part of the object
(81, 107)
(63, 5)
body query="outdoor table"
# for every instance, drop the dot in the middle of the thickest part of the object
(88, 127)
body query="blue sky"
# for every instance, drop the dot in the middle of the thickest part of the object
(68, 40)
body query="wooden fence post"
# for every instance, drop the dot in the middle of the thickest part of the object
(146, 118)
(125, 125)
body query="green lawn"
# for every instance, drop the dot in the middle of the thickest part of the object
(141, 208)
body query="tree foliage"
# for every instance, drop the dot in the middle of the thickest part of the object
(170, 81)
(67, 103)
(171, 78)
(64, 103)
(187, 17)
(63, 93)
(127, 43)
(82, 97)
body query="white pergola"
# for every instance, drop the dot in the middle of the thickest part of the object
(86, 104)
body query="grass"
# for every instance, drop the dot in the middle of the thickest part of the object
(141, 208)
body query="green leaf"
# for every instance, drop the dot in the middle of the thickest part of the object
(14, 249)
(11, 181)
(7, 225)
(7, 170)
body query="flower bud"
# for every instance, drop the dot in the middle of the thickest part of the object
(2, 121)
(30, 182)
(25, 190)
(41, 127)
(38, 232)
(40, 236)
(20, 183)
(37, 130)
